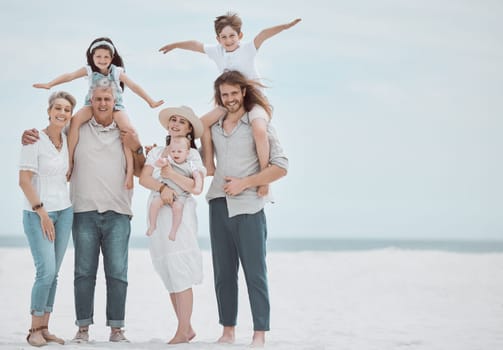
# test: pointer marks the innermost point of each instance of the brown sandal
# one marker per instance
(37, 343)
(51, 338)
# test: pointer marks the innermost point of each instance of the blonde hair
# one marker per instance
(64, 95)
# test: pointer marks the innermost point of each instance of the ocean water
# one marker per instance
(339, 244)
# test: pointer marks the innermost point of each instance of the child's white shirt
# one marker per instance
(257, 112)
(242, 59)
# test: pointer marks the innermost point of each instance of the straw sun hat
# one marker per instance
(184, 112)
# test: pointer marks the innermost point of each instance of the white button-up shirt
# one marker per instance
(49, 167)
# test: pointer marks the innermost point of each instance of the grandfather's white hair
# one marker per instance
(103, 84)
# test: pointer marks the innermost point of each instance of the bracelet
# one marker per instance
(37, 206)
(139, 151)
(162, 187)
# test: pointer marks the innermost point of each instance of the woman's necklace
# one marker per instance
(56, 144)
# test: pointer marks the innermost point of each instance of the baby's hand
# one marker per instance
(42, 86)
(161, 162)
(156, 104)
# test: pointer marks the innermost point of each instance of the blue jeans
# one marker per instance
(108, 232)
(241, 238)
(47, 256)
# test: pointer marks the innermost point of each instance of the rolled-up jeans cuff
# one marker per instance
(84, 323)
(41, 313)
(115, 323)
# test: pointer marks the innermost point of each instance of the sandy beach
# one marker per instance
(381, 299)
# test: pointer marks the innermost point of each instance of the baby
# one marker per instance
(178, 150)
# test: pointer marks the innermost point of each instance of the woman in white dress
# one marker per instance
(179, 262)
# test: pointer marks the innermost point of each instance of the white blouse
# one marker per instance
(49, 167)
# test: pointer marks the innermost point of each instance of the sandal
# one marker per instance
(37, 342)
(51, 338)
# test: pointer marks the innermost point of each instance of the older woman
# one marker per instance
(48, 214)
(178, 262)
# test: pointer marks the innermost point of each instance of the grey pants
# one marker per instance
(241, 238)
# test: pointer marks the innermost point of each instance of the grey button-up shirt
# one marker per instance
(236, 156)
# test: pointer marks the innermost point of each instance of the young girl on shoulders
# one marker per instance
(103, 61)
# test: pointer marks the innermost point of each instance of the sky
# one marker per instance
(390, 112)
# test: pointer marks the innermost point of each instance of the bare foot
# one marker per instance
(258, 340)
(192, 335)
(226, 339)
(228, 335)
(172, 236)
(178, 339)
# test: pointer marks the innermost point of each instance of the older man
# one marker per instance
(238, 227)
(102, 208)
(102, 213)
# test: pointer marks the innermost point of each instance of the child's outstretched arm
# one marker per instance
(270, 32)
(137, 89)
(191, 45)
(64, 78)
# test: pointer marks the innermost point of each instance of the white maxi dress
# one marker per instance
(179, 262)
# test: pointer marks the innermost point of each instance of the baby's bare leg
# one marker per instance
(155, 206)
(177, 210)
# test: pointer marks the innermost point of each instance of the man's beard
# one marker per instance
(234, 106)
